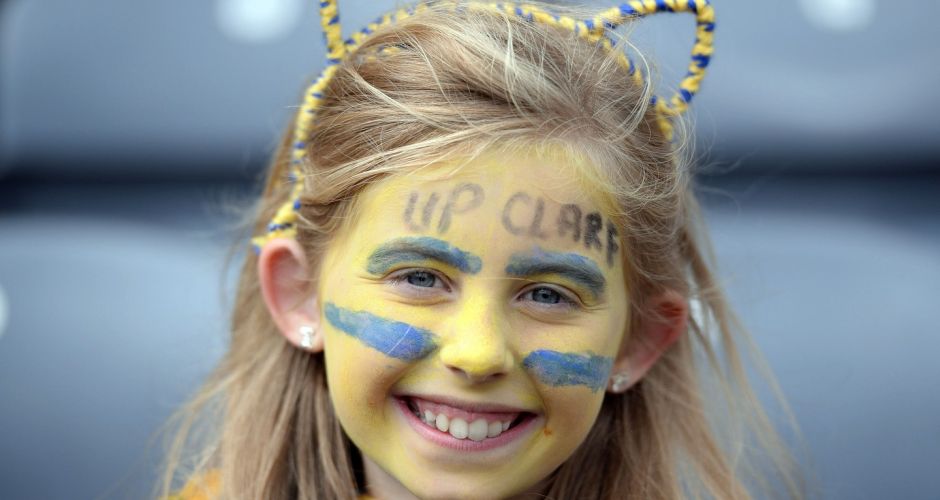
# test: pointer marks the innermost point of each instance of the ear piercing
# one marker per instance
(619, 382)
(306, 337)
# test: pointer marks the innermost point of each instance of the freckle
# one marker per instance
(547, 431)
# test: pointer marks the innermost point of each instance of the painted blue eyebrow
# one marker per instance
(418, 248)
(573, 266)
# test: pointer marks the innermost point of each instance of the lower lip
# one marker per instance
(447, 441)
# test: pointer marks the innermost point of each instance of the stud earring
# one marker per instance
(306, 336)
(619, 382)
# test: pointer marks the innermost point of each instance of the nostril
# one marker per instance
(484, 376)
(477, 360)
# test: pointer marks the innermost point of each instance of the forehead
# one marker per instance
(499, 199)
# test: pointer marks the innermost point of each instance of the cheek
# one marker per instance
(576, 356)
(366, 354)
(571, 368)
(559, 369)
(571, 386)
(359, 380)
(355, 373)
(395, 339)
(570, 414)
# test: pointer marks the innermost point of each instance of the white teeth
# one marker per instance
(442, 422)
(494, 429)
(458, 428)
(477, 430)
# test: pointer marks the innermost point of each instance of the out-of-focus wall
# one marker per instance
(128, 128)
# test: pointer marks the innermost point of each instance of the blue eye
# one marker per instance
(422, 279)
(550, 299)
(546, 296)
(420, 284)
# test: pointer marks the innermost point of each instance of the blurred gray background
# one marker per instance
(127, 129)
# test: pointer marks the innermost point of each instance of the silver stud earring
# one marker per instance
(619, 382)
(306, 337)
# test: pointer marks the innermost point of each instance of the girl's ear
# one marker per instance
(284, 280)
(653, 337)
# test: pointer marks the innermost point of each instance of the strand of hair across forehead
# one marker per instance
(596, 29)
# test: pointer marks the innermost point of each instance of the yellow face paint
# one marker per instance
(492, 295)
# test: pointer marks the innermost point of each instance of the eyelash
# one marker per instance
(566, 300)
(401, 278)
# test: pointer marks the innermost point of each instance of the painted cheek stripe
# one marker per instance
(392, 338)
(566, 368)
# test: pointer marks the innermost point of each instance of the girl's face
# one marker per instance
(470, 323)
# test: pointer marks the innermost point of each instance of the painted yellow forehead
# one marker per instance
(533, 196)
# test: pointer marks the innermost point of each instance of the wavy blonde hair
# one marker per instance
(263, 423)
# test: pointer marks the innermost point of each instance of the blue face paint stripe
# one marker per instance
(412, 249)
(566, 368)
(575, 267)
(392, 338)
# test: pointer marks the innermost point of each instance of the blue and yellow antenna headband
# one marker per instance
(283, 224)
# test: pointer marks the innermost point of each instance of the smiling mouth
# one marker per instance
(464, 424)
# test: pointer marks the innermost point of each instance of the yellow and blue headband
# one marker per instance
(283, 224)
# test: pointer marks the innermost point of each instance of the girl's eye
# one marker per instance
(545, 296)
(419, 281)
(422, 279)
(549, 297)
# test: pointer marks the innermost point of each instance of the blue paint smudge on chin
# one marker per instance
(392, 338)
(568, 368)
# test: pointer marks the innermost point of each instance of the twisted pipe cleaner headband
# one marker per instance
(283, 224)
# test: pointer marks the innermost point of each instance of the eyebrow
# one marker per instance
(419, 248)
(573, 266)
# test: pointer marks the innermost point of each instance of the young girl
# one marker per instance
(475, 257)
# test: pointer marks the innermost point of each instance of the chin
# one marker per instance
(454, 484)
(444, 489)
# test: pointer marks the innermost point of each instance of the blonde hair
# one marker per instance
(462, 83)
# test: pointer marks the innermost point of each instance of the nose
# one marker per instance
(476, 348)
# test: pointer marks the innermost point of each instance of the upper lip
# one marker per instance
(470, 406)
